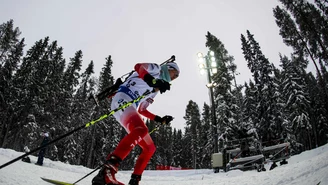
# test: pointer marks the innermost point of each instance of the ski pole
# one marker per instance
(88, 174)
(79, 128)
(156, 128)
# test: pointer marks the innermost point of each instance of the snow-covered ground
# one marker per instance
(307, 168)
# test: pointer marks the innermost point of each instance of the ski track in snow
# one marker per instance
(307, 168)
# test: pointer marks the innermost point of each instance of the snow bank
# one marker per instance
(307, 168)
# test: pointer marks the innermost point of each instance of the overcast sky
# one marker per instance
(150, 31)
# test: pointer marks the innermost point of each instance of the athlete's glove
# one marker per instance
(162, 85)
(164, 120)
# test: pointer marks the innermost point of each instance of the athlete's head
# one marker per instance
(173, 69)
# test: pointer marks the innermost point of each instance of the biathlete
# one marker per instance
(148, 77)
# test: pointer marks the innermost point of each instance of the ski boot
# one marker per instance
(283, 162)
(134, 179)
(274, 165)
(106, 175)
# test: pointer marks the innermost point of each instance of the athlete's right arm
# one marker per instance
(143, 109)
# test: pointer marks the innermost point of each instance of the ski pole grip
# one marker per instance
(172, 59)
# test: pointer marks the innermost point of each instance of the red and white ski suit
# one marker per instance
(130, 118)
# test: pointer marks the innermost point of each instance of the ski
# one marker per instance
(56, 182)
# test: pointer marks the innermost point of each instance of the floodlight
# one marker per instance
(214, 70)
(213, 59)
(213, 64)
(202, 71)
(209, 85)
(201, 66)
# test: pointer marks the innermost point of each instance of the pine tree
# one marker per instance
(106, 78)
(206, 138)
(312, 27)
(71, 75)
(187, 160)
(11, 51)
(69, 85)
(29, 90)
(317, 112)
(266, 88)
(226, 101)
(82, 109)
(250, 113)
(53, 94)
(9, 42)
(191, 140)
(177, 152)
(164, 146)
(297, 99)
(307, 34)
(280, 120)
(53, 79)
(106, 135)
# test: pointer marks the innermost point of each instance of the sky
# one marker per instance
(307, 168)
(151, 31)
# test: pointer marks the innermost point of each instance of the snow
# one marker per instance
(307, 168)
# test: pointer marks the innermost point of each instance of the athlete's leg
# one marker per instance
(136, 129)
(148, 149)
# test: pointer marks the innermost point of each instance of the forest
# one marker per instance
(40, 91)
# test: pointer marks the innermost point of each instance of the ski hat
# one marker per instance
(172, 65)
(165, 75)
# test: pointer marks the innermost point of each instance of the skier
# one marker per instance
(148, 77)
(43, 150)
